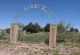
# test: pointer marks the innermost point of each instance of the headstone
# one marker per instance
(13, 33)
(53, 34)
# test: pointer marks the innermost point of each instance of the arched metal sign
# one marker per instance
(36, 6)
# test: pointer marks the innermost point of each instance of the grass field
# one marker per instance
(34, 37)
(62, 48)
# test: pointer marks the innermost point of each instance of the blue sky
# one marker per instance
(62, 10)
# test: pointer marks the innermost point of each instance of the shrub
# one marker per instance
(68, 37)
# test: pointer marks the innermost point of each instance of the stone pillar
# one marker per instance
(53, 34)
(13, 33)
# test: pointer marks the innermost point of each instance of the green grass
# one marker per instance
(43, 37)
(34, 37)
(3, 41)
(75, 53)
(76, 45)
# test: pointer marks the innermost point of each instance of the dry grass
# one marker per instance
(37, 49)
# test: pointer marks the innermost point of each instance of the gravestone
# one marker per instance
(13, 33)
(52, 35)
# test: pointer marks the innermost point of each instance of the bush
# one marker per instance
(68, 37)
(3, 36)
(47, 27)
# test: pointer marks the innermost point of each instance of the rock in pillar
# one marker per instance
(53, 34)
(13, 33)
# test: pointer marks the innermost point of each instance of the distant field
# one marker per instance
(34, 37)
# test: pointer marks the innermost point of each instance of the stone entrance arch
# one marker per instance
(53, 28)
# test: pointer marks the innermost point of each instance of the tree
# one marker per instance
(61, 27)
(8, 30)
(32, 28)
(76, 30)
(47, 27)
(37, 27)
(71, 29)
(24, 28)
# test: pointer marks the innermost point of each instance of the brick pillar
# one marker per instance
(52, 37)
(13, 33)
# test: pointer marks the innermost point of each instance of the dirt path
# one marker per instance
(25, 49)
(36, 49)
